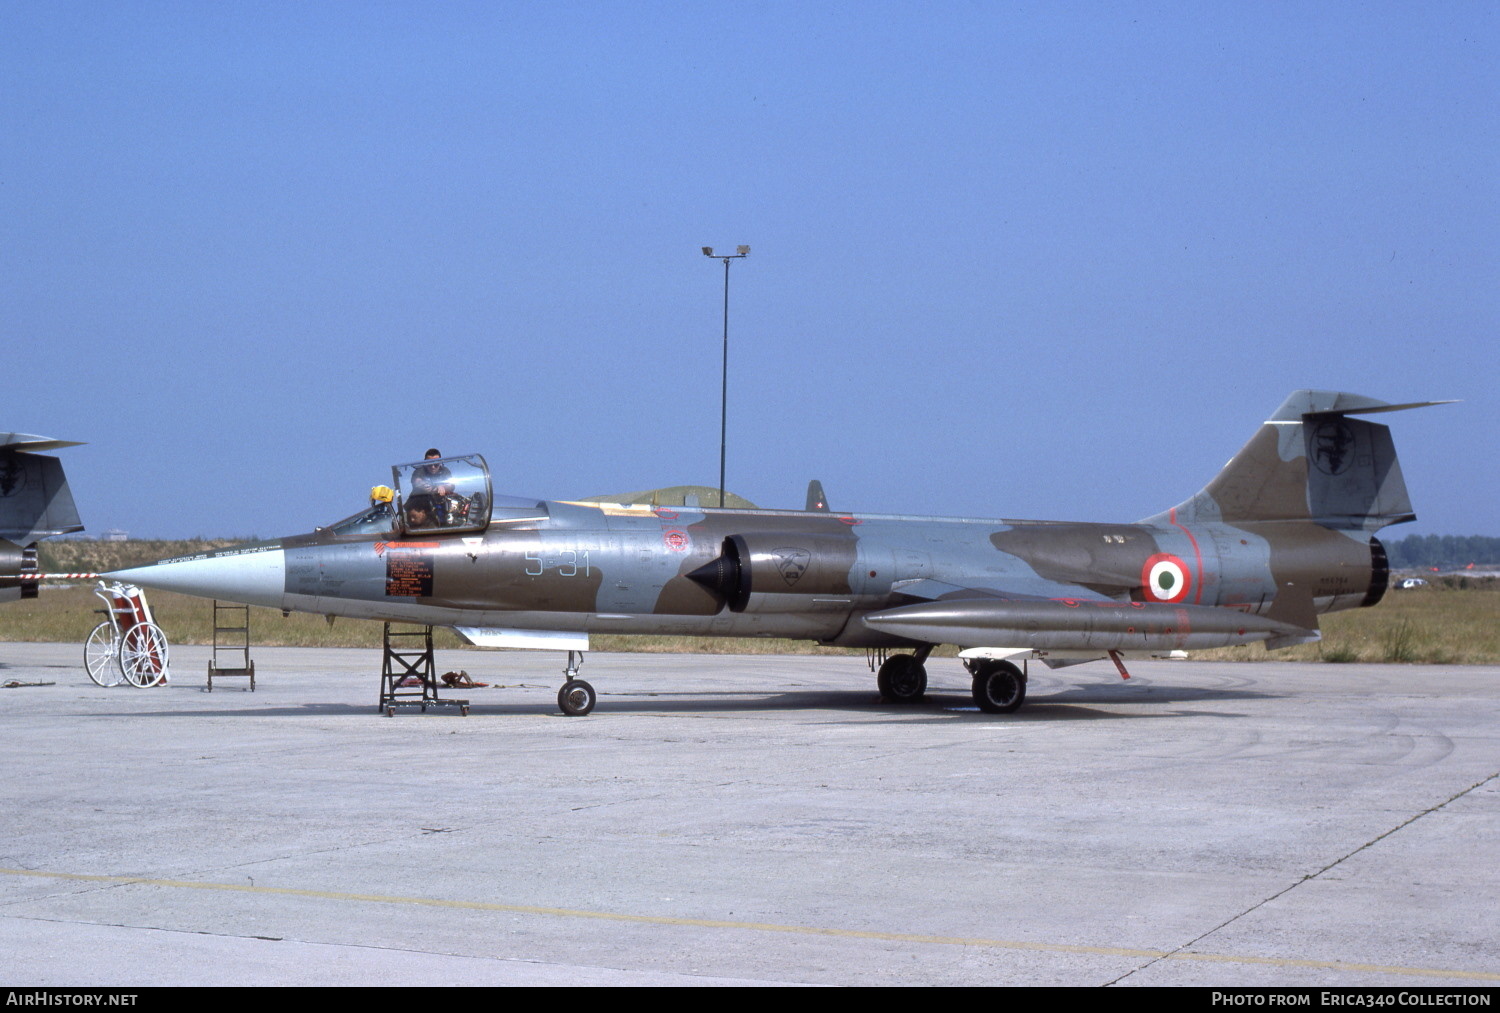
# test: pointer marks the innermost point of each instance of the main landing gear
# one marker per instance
(902, 678)
(576, 698)
(999, 686)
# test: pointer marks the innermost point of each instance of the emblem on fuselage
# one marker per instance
(1165, 578)
(792, 564)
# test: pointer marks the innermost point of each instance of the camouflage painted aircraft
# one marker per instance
(35, 503)
(1283, 534)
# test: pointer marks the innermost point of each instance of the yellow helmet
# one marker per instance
(382, 494)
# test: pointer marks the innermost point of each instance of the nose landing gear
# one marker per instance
(576, 698)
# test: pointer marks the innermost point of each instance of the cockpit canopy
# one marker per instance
(447, 494)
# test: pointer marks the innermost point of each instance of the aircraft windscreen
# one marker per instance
(377, 518)
(448, 494)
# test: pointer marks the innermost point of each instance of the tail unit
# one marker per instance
(35, 502)
(1311, 461)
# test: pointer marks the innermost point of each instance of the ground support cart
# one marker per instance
(128, 645)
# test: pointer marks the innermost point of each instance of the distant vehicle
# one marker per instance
(35, 503)
(1283, 534)
(1406, 584)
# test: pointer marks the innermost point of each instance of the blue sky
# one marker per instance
(1020, 260)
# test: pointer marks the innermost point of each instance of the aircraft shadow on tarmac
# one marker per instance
(1066, 703)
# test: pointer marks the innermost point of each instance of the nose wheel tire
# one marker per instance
(999, 687)
(902, 679)
(576, 698)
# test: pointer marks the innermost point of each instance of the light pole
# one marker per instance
(740, 253)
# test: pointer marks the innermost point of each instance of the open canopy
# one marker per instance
(448, 494)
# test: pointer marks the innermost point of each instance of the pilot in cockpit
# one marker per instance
(429, 476)
(420, 513)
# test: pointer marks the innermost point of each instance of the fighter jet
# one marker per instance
(1282, 535)
(35, 503)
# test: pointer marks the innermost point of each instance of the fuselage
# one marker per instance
(693, 571)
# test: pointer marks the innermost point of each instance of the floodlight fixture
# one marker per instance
(741, 252)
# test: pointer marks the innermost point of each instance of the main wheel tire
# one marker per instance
(100, 657)
(576, 698)
(999, 688)
(902, 679)
(143, 655)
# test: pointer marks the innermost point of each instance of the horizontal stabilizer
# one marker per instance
(33, 444)
(1333, 402)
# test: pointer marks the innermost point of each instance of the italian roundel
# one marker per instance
(1165, 578)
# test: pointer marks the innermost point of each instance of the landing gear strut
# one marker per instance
(903, 677)
(999, 686)
(576, 698)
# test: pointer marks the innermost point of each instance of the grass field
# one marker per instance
(1452, 621)
(1438, 625)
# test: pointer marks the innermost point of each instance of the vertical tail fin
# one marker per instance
(34, 502)
(34, 497)
(1311, 461)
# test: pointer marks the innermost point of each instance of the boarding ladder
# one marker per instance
(232, 644)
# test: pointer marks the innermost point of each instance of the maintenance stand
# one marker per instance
(408, 655)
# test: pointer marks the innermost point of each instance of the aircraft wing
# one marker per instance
(531, 640)
(944, 590)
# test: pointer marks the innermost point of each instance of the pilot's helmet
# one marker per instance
(382, 494)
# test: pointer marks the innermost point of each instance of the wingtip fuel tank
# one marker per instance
(1077, 624)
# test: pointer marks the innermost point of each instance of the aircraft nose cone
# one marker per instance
(249, 576)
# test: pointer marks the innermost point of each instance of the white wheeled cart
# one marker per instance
(128, 645)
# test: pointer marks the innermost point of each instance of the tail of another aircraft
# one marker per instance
(1311, 461)
(815, 498)
(34, 502)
